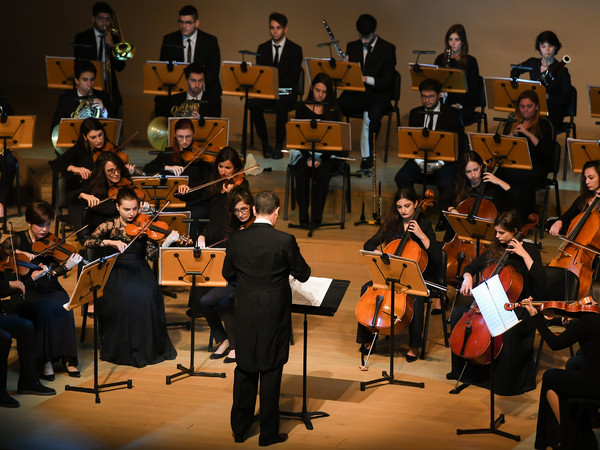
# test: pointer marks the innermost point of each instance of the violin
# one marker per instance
(195, 151)
(562, 309)
(19, 264)
(110, 147)
(155, 230)
(114, 189)
(53, 245)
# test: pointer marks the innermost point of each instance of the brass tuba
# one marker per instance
(123, 51)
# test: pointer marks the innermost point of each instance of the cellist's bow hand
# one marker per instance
(467, 284)
(528, 306)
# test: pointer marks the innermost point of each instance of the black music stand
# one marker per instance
(327, 307)
(89, 288)
(316, 136)
(184, 267)
(400, 275)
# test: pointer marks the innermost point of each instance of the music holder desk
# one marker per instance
(164, 77)
(582, 151)
(179, 267)
(60, 73)
(513, 152)
(68, 131)
(346, 76)
(453, 80)
(161, 189)
(475, 229)
(422, 143)
(248, 81)
(215, 132)
(317, 136)
(594, 100)
(400, 275)
(89, 288)
(328, 307)
(502, 93)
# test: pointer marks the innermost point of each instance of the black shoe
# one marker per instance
(282, 437)
(366, 164)
(6, 401)
(219, 355)
(229, 360)
(35, 388)
(451, 376)
(72, 373)
(442, 224)
(436, 311)
(267, 150)
(47, 377)
(191, 314)
(239, 438)
(277, 154)
(411, 358)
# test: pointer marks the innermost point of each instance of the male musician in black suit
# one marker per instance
(433, 115)
(260, 260)
(96, 44)
(286, 56)
(209, 105)
(378, 61)
(85, 78)
(190, 44)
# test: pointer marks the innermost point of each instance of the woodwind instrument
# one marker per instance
(335, 42)
(549, 75)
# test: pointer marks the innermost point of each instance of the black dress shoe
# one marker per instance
(35, 388)
(196, 314)
(281, 437)
(267, 150)
(6, 401)
(277, 153)
(366, 163)
(229, 360)
(239, 438)
(47, 377)
(219, 355)
(411, 358)
(436, 311)
(451, 376)
(72, 373)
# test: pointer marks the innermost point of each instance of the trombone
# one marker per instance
(122, 50)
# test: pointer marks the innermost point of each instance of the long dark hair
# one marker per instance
(508, 221)
(393, 225)
(182, 124)
(463, 187)
(584, 193)
(331, 108)
(89, 124)
(534, 128)
(237, 194)
(225, 154)
(462, 35)
(98, 182)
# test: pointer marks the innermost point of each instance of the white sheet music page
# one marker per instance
(311, 292)
(490, 298)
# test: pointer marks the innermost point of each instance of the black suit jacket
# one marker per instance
(380, 65)
(290, 62)
(69, 101)
(260, 259)
(447, 120)
(163, 105)
(206, 53)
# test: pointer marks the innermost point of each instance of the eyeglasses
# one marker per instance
(186, 22)
(113, 171)
(242, 210)
(429, 97)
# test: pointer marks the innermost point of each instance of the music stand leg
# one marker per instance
(305, 416)
(245, 125)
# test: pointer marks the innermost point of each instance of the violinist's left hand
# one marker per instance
(529, 307)
(73, 260)
(130, 168)
(228, 186)
(515, 246)
(171, 238)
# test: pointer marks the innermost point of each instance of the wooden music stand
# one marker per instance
(60, 72)
(205, 132)
(471, 229)
(453, 80)
(245, 80)
(400, 275)
(187, 266)
(346, 76)
(502, 93)
(90, 288)
(316, 136)
(594, 100)
(422, 143)
(161, 189)
(176, 221)
(582, 151)
(513, 152)
(68, 131)
(164, 78)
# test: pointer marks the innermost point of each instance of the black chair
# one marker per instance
(566, 127)
(391, 108)
(480, 117)
(582, 405)
(60, 201)
(438, 278)
(550, 182)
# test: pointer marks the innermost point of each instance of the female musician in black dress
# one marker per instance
(557, 90)
(556, 425)
(321, 90)
(456, 56)
(131, 313)
(394, 226)
(514, 368)
(44, 296)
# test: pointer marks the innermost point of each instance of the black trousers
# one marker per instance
(282, 107)
(351, 103)
(15, 327)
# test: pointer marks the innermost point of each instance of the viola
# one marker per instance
(114, 189)
(54, 246)
(109, 147)
(562, 309)
(196, 151)
(155, 230)
(20, 263)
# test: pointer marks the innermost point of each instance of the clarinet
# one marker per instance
(335, 42)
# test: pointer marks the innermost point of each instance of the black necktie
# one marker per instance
(276, 58)
(101, 48)
(369, 49)
(189, 51)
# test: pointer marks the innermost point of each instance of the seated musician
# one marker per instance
(558, 424)
(433, 115)
(588, 192)
(558, 90)
(96, 101)
(456, 56)
(132, 332)
(208, 102)
(286, 57)
(398, 222)
(514, 368)
(8, 177)
(321, 90)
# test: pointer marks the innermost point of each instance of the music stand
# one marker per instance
(181, 267)
(209, 129)
(426, 144)
(90, 288)
(161, 189)
(471, 229)
(453, 80)
(346, 76)
(316, 136)
(513, 152)
(68, 131)
(502, 93)
(164, 77)
(582, 151)
(594, 100)
(60, 73)
(245, 80)
(400, 275)
(15, 132)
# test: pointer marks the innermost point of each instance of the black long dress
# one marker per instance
(131, 313)
(514, 368)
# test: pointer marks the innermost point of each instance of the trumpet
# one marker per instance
(123, 51)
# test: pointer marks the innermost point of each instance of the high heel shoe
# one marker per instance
(47, 377)
(216, 355)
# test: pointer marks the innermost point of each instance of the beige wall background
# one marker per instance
(499, 33)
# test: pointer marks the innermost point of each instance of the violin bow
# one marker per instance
(152, 219)
(201, 151)
(126, 141)
(229, 177)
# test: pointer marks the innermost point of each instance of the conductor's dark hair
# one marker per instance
(83, 65)
(366, 24)
(189, 10)
(101, 7)
(279, 18)
(266, 202)
(38, 213)
(193, 68)
(429, 84)
(126, 193)
(549, 37)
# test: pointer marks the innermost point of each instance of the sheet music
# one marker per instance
(310, 293)
(490, 298)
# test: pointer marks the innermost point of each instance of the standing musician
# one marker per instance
(456, 56)
(398, 222)
(377, 59)
(286, 56)
(558, 424)
(55, 337)
(97, 43)
(132, 332)
(558, 90)
(514, 368)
